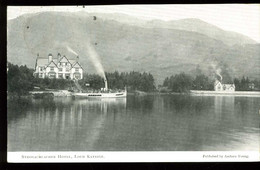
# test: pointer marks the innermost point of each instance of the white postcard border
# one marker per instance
(135, 156)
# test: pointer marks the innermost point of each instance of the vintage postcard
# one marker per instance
(133, 83)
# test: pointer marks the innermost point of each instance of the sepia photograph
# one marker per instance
(133, 83)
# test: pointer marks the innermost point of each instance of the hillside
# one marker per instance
(190, 24)
(125, 47)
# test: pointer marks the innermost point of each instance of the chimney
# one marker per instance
(106, 86)
(50, 57)
(59, 56)
(36, 63)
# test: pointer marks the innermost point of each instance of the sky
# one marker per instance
(240, 18)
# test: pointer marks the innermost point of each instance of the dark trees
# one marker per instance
(202, 82)
(179, 83)
(19, 79)
(133, 81)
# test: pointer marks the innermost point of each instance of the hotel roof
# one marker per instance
(45, 61)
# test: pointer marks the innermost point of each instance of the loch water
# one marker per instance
(135, 123)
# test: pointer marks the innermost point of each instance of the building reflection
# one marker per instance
(224, 105)
(218, 101)
(229, 102)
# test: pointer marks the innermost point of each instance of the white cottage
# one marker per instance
(218, 86)
(60, 67)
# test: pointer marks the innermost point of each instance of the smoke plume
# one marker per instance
(94, 57)
(72, 51)
(217, 70)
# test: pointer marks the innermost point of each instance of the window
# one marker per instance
(40, 75)
(60, 69)
(77, 76)
(52, 75)
(60, 75)
(67, 69)
(52, 68)
(77, 69)
(67, 76)
(41, 68)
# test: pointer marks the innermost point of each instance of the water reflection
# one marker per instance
(180, 103)
(141, 103)
(67, 117)
(231, 127)
(166, 122)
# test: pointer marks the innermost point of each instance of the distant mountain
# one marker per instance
(189, 24)
(199, 26)
(162, 48)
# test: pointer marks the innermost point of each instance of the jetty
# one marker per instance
(55, 93)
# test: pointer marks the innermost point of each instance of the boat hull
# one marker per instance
(101, 95)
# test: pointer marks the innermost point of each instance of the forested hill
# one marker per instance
(159, 47)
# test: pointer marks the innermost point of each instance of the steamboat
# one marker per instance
(103, 93)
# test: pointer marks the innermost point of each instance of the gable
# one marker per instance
(51, 64)
(228, 85)
(64, 60)
(77, 65)
(218, 84)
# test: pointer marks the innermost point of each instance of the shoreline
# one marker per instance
(66, 93)
(222, 93)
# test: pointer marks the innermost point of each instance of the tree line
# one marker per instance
(132, 80)
(20, 81)
(245, 84)
(184, 82)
